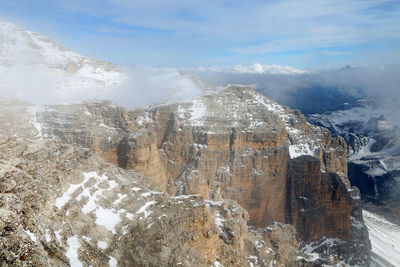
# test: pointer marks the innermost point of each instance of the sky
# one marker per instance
(306, 34)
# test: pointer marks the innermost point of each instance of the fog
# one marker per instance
(138, 86)
(147, 85)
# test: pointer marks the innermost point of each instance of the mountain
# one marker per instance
(371, 130)
(153, 185)
(39, 70)
(35, 68)
(23, 49)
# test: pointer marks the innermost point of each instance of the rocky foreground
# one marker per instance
(229, 179)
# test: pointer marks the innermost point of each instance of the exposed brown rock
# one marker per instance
(319, 203)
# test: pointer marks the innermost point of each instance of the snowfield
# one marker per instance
(385, 240)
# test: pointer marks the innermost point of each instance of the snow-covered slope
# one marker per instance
(385, 240)
(34, 67)
(19, 47)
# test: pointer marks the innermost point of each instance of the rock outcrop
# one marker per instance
(232, 147)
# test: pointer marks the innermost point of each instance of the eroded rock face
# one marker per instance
(235, 145)
(319, 203)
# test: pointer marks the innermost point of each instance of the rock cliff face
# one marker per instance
(64, 206)
(232, 146)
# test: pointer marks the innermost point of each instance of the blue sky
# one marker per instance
(304, 34)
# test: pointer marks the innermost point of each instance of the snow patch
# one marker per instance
(197, 112)
(300, 150)
(150, 193)
(102, 244)
(107, 218)
(112, 262)
(31, 235)
(47, 235)
(144, 210)
(72, 252)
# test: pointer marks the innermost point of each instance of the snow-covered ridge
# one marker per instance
(40, 62)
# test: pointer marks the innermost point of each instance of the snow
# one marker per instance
(384, 236)
(143, 120)
(49, 70)
(310, 249)
(218, 264)
(86, 238)
(47, 236)
(150, 193)
(219, 220)
(300, 150)
(102, 244)
(58, 236)
(31, 235)
(72, 252)
(269, 104)
(363, 152)
(213, 202)
(144, 210)
(112, 262)
(378, 118)
(35, 123)
(181, 112)
(61, 201)
(108, 218)
(120, 198)
(181, 197)
(197, 111)
(86, 191)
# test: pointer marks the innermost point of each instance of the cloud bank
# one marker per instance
(298, 90)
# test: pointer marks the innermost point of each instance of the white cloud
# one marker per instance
(255, 68)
